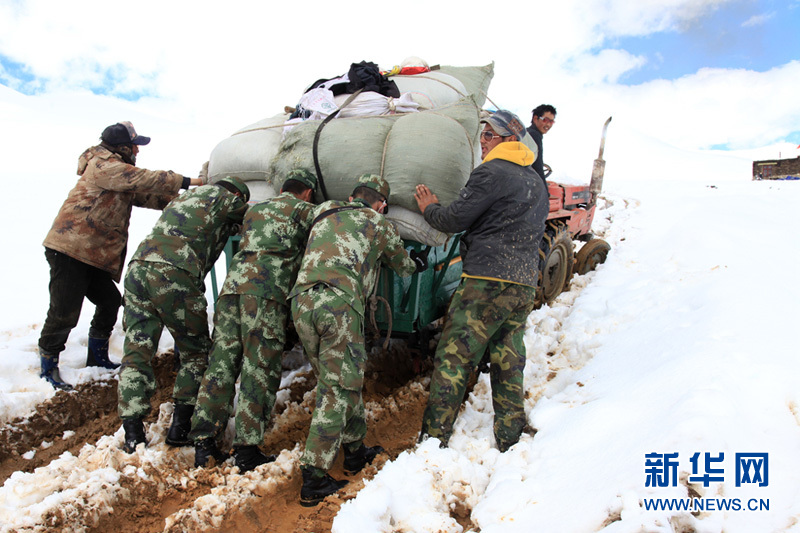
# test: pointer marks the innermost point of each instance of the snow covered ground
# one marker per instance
(681, 343)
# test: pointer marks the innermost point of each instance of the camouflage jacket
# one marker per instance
(344, 250)
(193, 230)
(92, 225)
(274, 236)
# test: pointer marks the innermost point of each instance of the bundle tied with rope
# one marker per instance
(437, 147)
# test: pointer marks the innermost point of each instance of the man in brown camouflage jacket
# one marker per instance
(86, 244)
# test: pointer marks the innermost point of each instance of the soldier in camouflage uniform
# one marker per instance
(502, 207)
(85, 248)
(164, 287)
(250, 324)
(346, 245)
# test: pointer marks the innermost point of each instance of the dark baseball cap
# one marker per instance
(123, 133)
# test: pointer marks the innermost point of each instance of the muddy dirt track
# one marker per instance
(173, 496)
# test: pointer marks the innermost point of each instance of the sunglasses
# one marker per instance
(547, 120)
(489, 135)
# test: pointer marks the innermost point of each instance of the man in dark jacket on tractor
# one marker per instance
(542, 119)
(502, 210)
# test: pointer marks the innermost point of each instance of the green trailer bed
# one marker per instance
(411, 303)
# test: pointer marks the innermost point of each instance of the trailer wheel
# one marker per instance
(592, 254)
(556, 256)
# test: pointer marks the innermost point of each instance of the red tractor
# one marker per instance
(572, 209)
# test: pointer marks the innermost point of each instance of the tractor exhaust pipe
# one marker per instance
(599, 168)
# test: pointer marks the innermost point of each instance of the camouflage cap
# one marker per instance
(122, 133)
(303, 176)
(505, 123)
(239, 184)
(375, 182)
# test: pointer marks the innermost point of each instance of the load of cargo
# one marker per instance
(411, 125)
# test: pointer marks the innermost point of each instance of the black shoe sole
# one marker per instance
(353, 472)
(247, 468)
(312, 503)
(179, 443)
(306, 501)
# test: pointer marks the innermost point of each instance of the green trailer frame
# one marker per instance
(418, 300)
(412, 303)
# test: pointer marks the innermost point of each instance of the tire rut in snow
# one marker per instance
(69, 420)
(176, 497)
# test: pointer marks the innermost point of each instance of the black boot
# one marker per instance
(355, 461)
(249, 457)
(178, 434)
(98, 354)
(134, 434)
(50, 371)
(205, 450)
(316, 488)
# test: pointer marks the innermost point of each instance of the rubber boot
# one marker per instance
(317, 487)
(178, 434)
(97, 354)
(249, 457)
(50, 373)
(355, 461)
(206, 450)
(134, 434)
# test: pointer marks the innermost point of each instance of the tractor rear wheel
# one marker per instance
(592, 254)
(556, 256)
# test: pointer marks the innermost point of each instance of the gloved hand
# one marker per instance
(203, 175)
(420, 259)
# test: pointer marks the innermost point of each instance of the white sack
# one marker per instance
(246, 154)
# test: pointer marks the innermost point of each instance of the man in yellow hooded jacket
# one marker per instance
(502, 211)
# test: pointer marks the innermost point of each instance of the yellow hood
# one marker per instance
(513, 151)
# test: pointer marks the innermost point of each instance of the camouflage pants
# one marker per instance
(332, 334)
(158, 295)
(483, 315)
(249, 333)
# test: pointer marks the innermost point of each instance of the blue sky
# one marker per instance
(749, 35)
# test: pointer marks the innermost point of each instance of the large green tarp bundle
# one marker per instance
(436, 147)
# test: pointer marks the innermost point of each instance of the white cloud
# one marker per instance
(216, 67)
(758, 20)
(604, 67)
